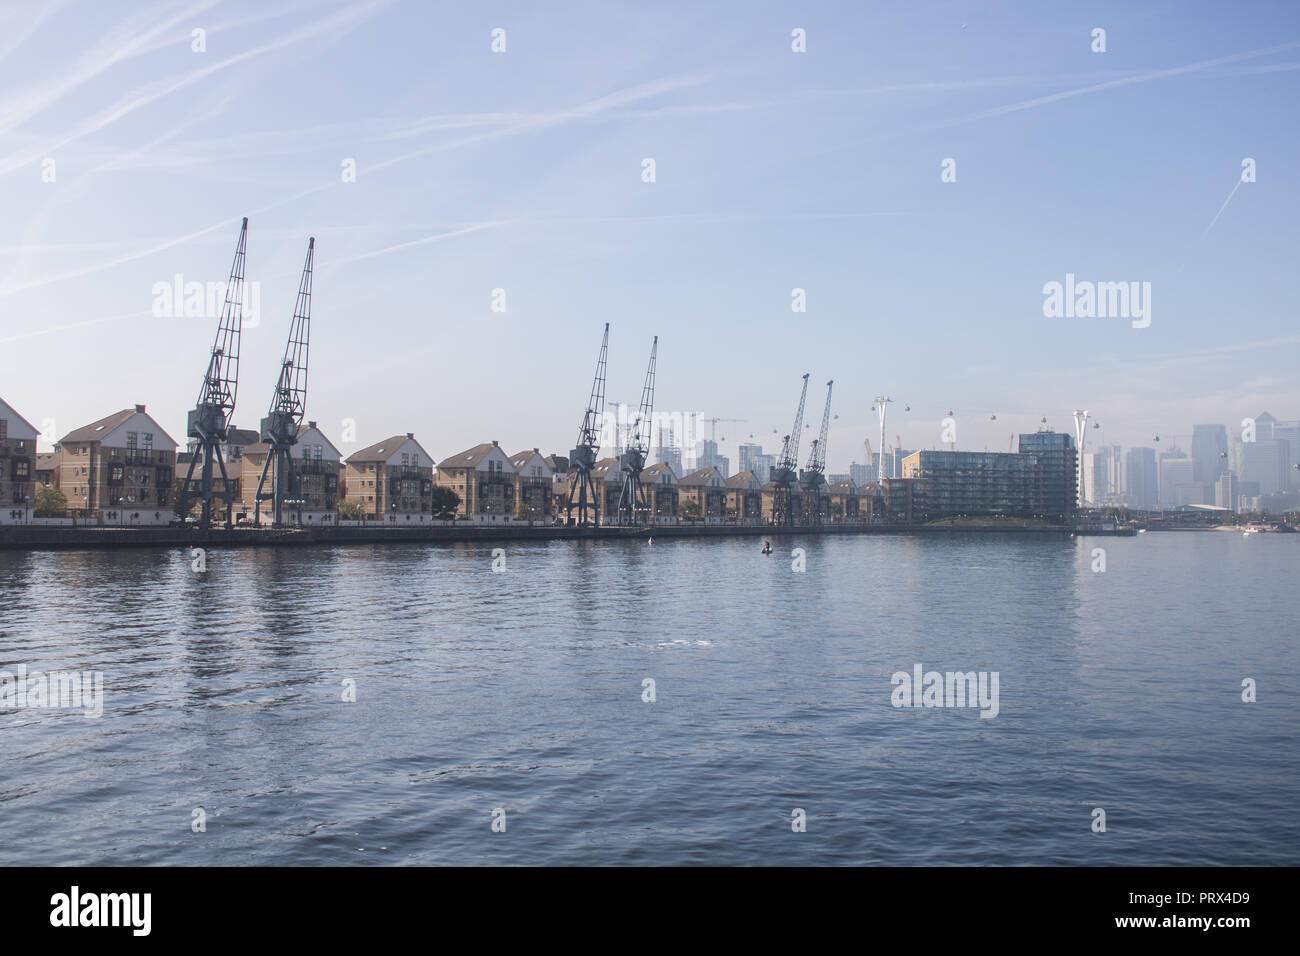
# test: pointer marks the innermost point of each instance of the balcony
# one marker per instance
(133, 456)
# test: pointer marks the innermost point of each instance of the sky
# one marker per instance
(131, 146)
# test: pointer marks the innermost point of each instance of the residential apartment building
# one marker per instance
(607, 486)
(118, 470)
(318, 466)
(845, 500)
(484, 477)
(47, 463)
(17, 466)
(660, 483)
(391, 479)
(744, 499)
(902, 500)
(1058, 477)
(708, 490)
(534, 492)
(978, 483)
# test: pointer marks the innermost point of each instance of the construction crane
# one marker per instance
(582, 459)
(813, 478)
(633, 461)
(785, 475)
(288, 405)
(209, 423)
(713, 426)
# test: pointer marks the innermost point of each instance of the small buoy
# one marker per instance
(652, 540)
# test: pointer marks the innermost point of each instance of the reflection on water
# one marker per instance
(523, 690)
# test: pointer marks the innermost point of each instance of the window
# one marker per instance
(406, 459)
(131, 439)
(148, 440)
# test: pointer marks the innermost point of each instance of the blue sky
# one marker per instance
(774, 170)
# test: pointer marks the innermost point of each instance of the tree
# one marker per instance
(350, 510)
(50, 502)
(445, 502)
(522, 510)
(688, 509)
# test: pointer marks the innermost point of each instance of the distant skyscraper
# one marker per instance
(1225, 492)
(1209, 453)
(1267, 464)
(706, 456)
(1178, 485)
(1102, 476)
(1142, 487)
(669, 452)
(748, 456)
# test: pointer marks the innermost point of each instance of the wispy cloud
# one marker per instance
(129, 39)
(340, 20)
(588, 110)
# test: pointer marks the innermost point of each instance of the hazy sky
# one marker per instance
(774, 170)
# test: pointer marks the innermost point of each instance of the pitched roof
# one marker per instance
(701, 476)
(13, 411)
(95, 431)
(520, 459)
(380, 451)
(242, 436)
(308, 426)
(558, 462)
(603, 467)
(741, 479)
(845, 487)
(470, 457)
(654, 471)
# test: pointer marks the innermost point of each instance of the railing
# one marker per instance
(134, 456)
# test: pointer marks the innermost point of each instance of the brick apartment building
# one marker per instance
(484, 477)
(745, 497)
(17, 466)
(392, 480)
(318, 465)
(534, 477)
(118, 470)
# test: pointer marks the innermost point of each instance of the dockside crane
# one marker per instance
(288, 406)
(209, 422)
(632, 462)
(813, 478)
(785, 475)
(582, 459)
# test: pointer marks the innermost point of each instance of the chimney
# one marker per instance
(494, 443)
(139, 408)
(311, 424)
(536, 452)
(410, 434)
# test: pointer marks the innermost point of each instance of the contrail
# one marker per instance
(1221, 208)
